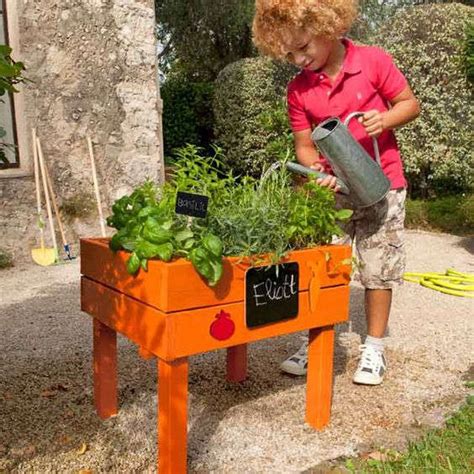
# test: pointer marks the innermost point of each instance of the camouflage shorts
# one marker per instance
(378, 236)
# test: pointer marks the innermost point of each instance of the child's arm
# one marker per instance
(405, 108)
(308, 156)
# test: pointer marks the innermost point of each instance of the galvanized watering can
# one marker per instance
(358, 175)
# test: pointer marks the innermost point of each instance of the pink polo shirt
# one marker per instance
(368, 80)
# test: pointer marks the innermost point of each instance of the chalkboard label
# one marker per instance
(194, 205)
(271, 294)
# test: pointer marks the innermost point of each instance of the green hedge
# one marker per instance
(428, 44)
(187, 113)
(245, 91)
(450, 214)
(470, 51)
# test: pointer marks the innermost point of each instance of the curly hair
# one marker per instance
(325, 18)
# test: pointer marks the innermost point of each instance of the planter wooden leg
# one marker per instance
(237, 363)
(172, 415)
(105, 370)
(319, 381)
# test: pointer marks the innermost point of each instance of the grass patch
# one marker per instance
(448, 449)
(6, 259)
(451, 214)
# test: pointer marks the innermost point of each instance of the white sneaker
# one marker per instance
(372, 366)
(297, 364)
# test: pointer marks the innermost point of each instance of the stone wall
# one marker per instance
(92, 67)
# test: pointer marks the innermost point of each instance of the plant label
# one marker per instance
(271, 294)
(194, 205)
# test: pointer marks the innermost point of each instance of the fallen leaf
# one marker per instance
(68, 414)
(378, 456)
(60, 387)
(82, 449)
(85, 471)
(64, 439)
(48, 393)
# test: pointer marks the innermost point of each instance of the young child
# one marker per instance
(337, 78)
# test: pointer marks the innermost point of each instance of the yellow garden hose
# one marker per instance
(451, 282)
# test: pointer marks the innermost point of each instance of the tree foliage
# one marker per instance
(187, 113)
(246, 92)
(205, 35)
(374, 13)
(428, 44)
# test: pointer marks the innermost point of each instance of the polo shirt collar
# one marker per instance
(351, 63)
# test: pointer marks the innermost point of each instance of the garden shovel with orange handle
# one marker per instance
(42, 256)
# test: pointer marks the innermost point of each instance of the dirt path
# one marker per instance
(46, 408)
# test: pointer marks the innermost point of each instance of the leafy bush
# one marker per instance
(428, 42)
(451, 214)
(470, 51)
(280, 146)
(187, 113)
(244, 90)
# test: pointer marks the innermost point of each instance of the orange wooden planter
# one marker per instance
(171, 313)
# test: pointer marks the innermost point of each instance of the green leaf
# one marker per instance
(145, 249)
(183, 235)
(200, 258)
(146, 211)
(217, 269)
(133, 264)
(144, 264)
(165, 251)
(154, 232)
(344, 214)
(213, 244)
(189, 244)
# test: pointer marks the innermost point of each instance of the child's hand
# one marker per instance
(329, 181)
(372, 121)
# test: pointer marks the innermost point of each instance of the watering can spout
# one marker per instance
(358, 175)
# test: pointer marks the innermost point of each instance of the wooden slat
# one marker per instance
(184, 333)
(176, 286)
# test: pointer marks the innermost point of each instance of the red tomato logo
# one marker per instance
(223, 327)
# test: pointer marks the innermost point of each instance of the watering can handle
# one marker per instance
(374, 140)
(300, 169)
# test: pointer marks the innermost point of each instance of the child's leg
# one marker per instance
(297, 363)
(377, 311)
(379, 244)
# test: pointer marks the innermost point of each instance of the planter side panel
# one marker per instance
(177, 286)
(142, 324)
(192, 328)
(173, 335)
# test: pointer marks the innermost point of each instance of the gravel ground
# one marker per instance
(48, 423)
